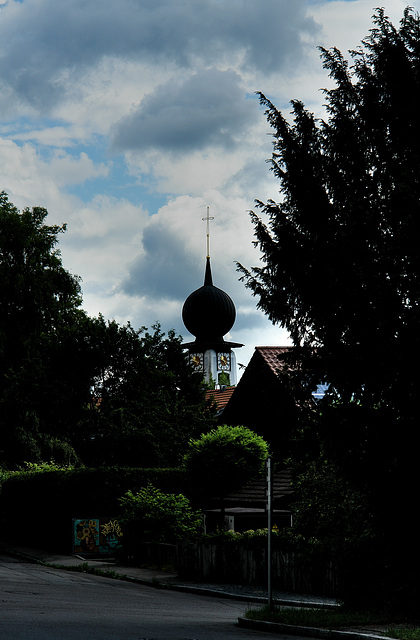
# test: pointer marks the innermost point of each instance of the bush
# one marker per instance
(149, 515)
(224, 459)
(284, 539)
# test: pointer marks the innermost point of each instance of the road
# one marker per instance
(41, 603)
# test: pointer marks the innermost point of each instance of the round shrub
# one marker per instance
(224, 459)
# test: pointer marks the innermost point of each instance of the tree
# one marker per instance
(39, 302)
(341, 266)
(147, 402)
(224, 459)
(75, 388)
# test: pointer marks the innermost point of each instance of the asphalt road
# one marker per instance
(41, 603)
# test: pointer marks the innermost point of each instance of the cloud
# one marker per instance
(166, 264)
(206, 109)
(103, 237)
(170, 262)
(164, 270)
(49, 135)
(69, 170)
(346, 23)
(43, 176)
(126, 118)
(46, 44)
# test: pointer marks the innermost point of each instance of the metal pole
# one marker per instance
(269, 529)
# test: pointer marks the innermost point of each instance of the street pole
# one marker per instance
(269, 530)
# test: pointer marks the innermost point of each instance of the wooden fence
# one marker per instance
(231, 563)
(248, 565)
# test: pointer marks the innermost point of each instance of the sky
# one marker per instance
(126, 119)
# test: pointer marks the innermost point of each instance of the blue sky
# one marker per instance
(127, 119)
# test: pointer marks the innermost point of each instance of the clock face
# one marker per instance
(223, 361)
(197, 361)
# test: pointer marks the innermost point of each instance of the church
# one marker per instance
(209, 314)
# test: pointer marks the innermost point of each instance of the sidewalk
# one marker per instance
(162, 579)
(159, 579)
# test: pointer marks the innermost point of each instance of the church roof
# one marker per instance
(208, 313)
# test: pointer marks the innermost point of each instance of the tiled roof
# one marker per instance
(272, 356)
(254, 494)
(220, 396)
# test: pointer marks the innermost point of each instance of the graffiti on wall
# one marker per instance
(96, 536)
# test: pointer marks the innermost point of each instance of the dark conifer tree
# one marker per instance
(340, 250)
(341, 263)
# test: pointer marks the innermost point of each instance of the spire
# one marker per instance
(208, 280)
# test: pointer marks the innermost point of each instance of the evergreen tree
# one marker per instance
(341, 268)
(341, 262)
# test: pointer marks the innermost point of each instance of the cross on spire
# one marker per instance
(207, 219)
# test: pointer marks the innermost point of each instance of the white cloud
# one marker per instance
(345, 24)
(171, 84)
(33, 179)
(25, 176)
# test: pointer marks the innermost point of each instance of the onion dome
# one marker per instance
(208, 313)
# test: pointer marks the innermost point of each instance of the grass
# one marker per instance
(336, 619)
(86, 568)
(405, 633)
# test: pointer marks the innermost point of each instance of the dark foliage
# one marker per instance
(341, 271)
(39, 307)
(147, 400)
(223, 460)
(37, 507)
(341, 263)
(80, 389)
(153, 516)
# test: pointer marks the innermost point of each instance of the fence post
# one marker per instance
(269, 478)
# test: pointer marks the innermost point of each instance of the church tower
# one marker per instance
(209, 314)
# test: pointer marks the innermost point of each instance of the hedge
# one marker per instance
(37, 508)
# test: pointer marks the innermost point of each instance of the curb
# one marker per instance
(310, 632)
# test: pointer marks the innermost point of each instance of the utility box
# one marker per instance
(96, 536)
